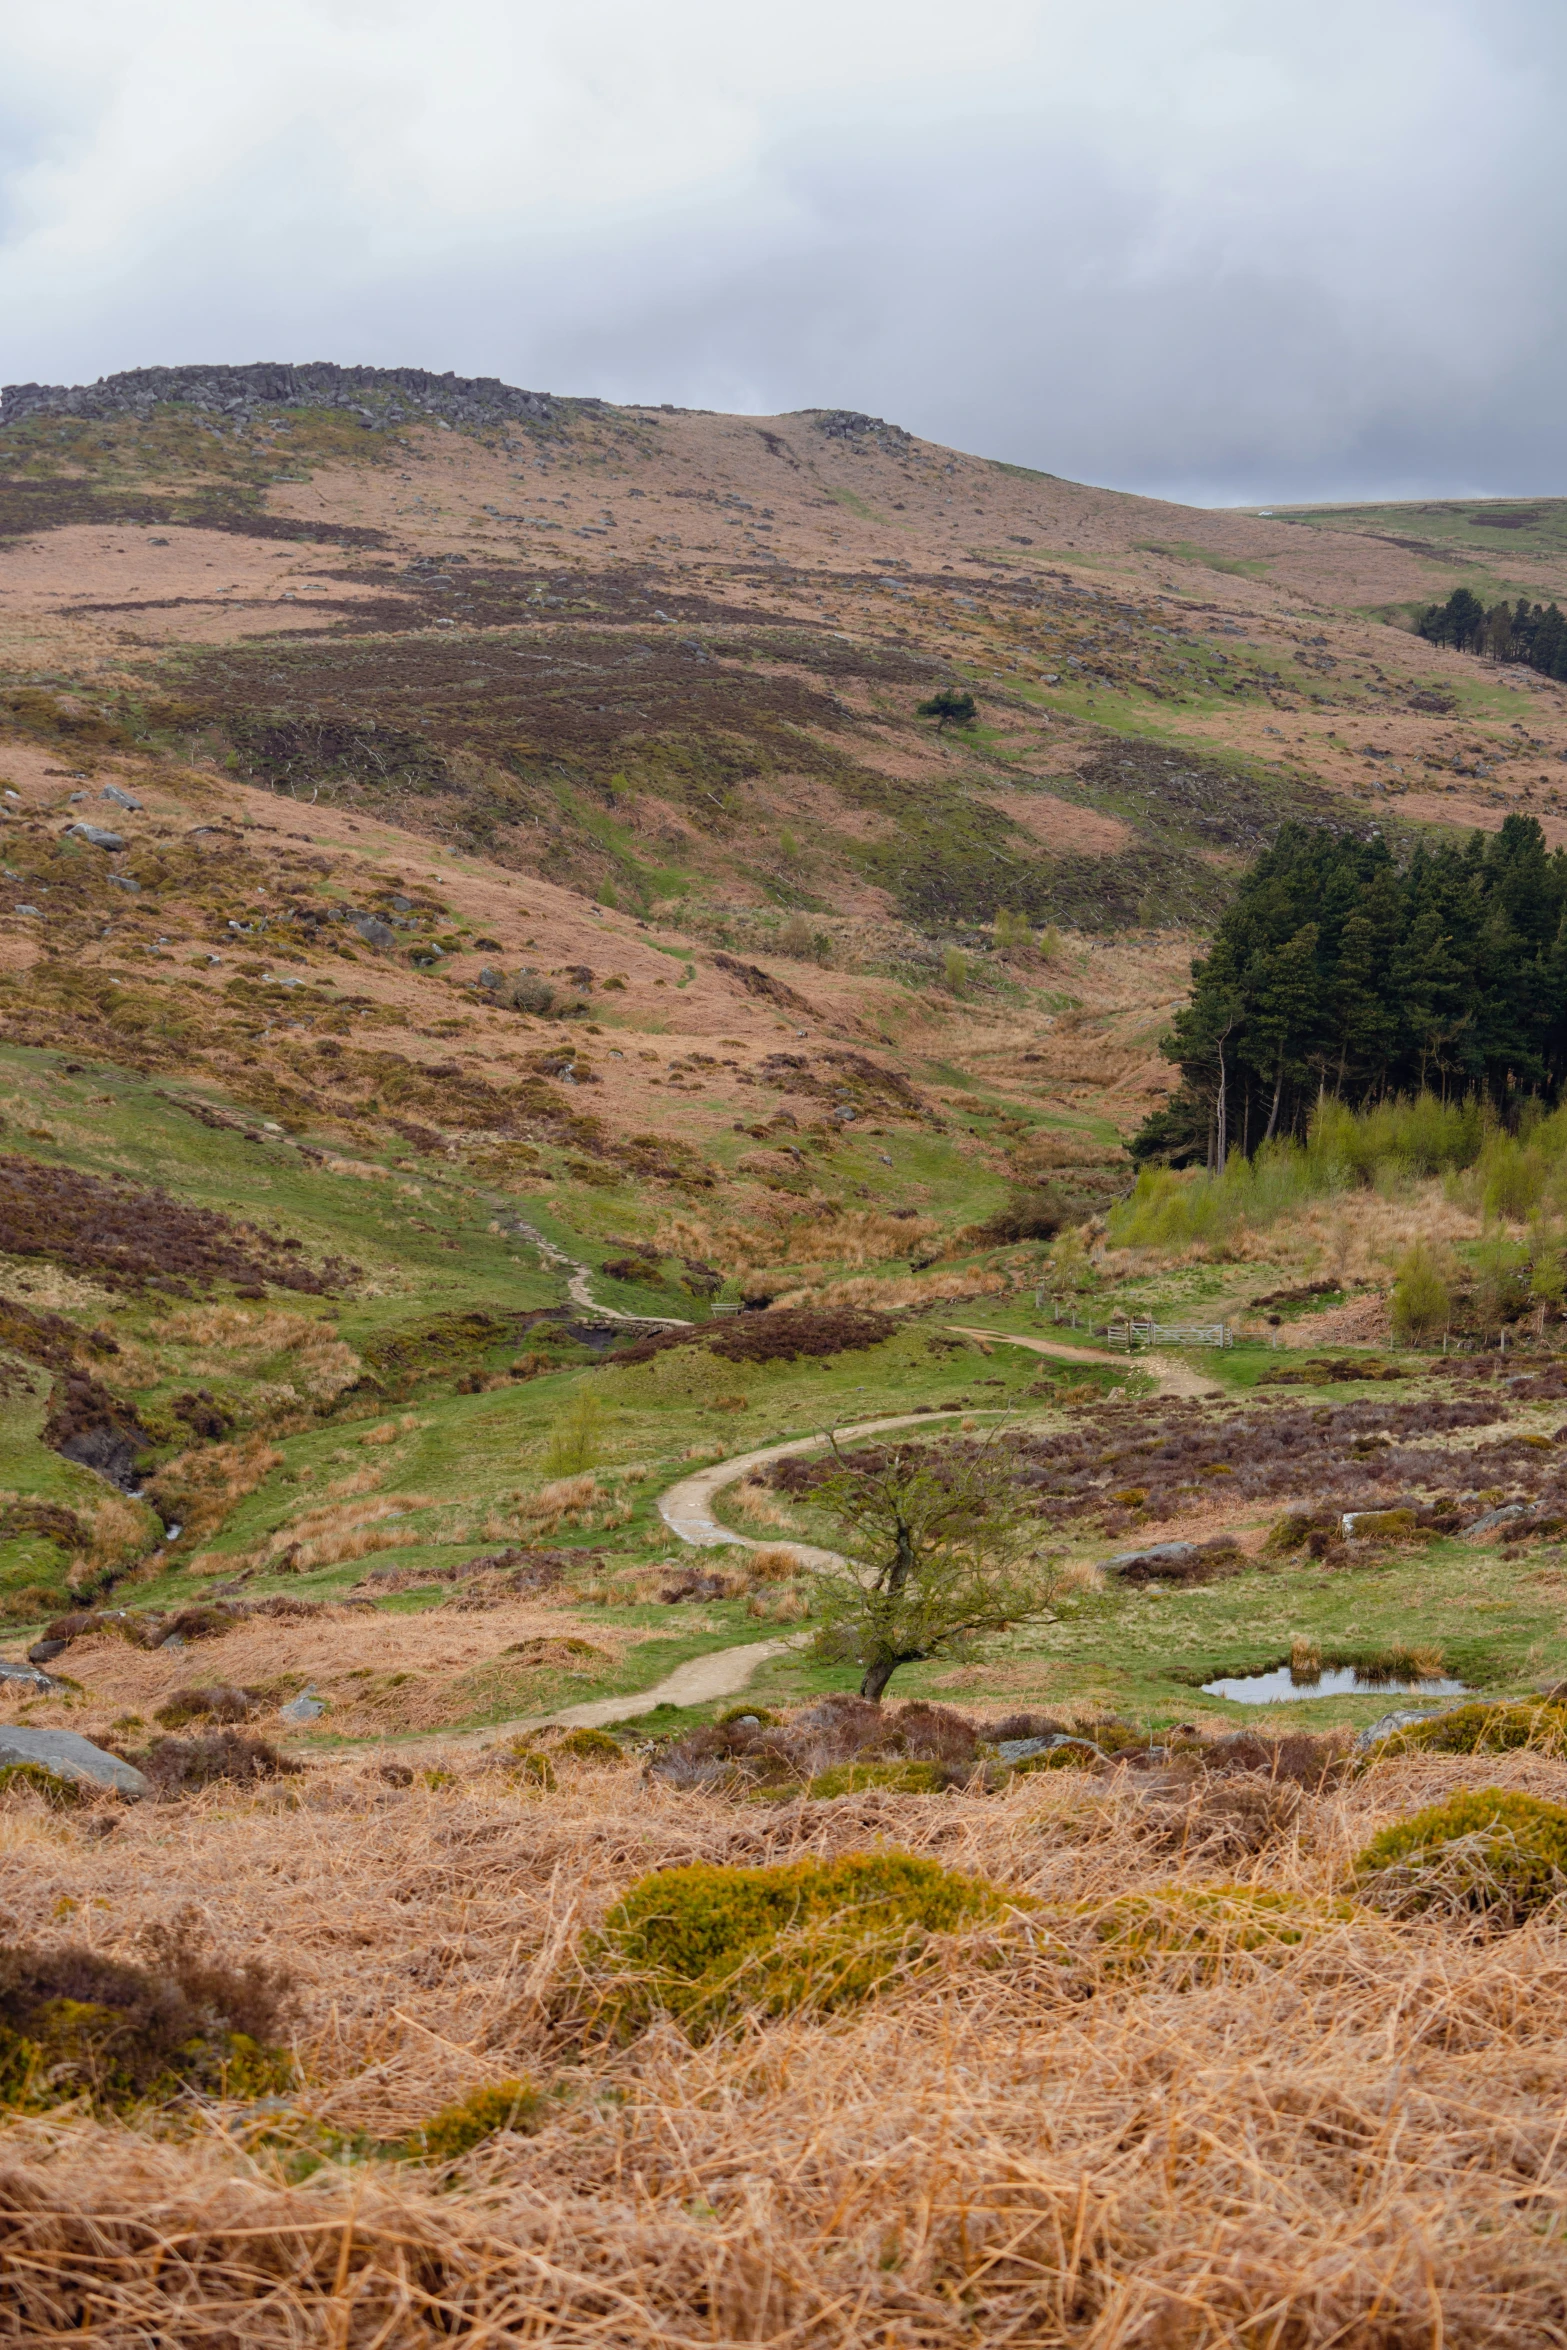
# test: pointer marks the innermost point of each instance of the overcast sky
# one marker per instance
(1225, 250)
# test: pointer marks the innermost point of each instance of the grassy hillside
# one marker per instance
(545, 1035)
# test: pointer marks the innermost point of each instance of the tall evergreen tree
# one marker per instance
(1333, 971)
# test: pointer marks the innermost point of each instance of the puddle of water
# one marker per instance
(1334, 1681)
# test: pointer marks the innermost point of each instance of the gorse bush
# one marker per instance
(1190, 1932)
(591, 1746)
(459, 2127)
(1491, 1852)
(1483, 1729)
(707, 1944)
(1422, 1303)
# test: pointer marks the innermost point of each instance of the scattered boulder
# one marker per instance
(121, 799)
(1180, 1562)
(97, 837)
(1497, 1517)
(31, 1676)
(68, 1756)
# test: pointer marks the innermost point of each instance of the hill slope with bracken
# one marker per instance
(514, 1028)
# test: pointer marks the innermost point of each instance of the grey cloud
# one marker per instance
(1285, 307)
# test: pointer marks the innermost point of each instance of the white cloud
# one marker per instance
(1221, 247)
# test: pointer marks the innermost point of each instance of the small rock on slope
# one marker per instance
(69, 1756)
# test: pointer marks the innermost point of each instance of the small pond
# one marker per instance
(1280, 1686)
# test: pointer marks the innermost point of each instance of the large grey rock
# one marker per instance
(306, 1707)
(97, 836)
(121, 799)
(1509, 1509)
(1403, 1717)
(374, 931)
(1016, 1750)
(1164, 1554)
(69, 1757)
(30, 1673)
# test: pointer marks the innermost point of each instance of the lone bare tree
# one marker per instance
(936, 1553)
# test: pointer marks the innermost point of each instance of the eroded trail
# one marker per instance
(687, 1510)
(1171, 1378)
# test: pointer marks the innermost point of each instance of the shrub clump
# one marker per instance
(750, 1749)
(127, 1238)
(896, 1778)
(458, 2128)
(707, 1945)
(182, 1766)
(525, 1765)
(1481, 1729)
(778, 1335)
(1488, 1851)
(74, 2023)
(591, 1746)
(219, 1703)
(1186, 1934)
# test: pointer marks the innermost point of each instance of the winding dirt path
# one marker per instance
(1171, 1378)
(578, 1276)
(723, 1672)
(687, 1510)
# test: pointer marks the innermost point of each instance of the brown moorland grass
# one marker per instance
(378, 1672)
(1353, 2137)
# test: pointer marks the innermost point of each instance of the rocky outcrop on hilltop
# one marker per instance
(379, 395)
(848, 424)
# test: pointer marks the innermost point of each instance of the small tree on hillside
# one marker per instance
(1422, 1304)
(949, 707)
(935, 1555)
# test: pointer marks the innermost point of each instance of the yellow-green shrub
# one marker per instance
(1488, 1850)
(591, 1746)
(1197, 1928)
(898, 1778)
(526, 1766)
(705, 1944)
(458, 2128)
(1481, 1729)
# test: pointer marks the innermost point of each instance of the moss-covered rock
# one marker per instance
(1481, 1729)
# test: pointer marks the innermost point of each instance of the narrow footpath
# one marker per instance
(687, 1510)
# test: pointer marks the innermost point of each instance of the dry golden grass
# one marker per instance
(229, 1336)
(902, 1289)
(773, 1233)
(201, 1487)
(1353, 2141)
(378, 1672)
